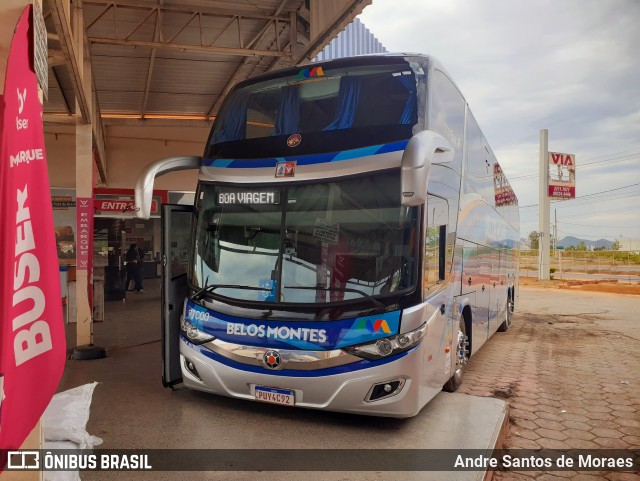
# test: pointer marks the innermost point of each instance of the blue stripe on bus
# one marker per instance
(323, 336)
(307, 159)
(354, 154)
(330, 371)
(393, 147)
(222, 163)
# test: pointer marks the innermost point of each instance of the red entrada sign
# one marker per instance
(121, 202)
(120, 205)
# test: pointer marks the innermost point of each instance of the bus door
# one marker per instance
(176, 245)
(494, 288)
(498, 290)
(474, 288)
(486, 265)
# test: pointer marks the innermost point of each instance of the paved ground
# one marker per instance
(569, 367)
(570, 370)
(131, 410)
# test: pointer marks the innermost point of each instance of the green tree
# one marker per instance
(599, 248)
(616, 245)
(580, 247)
(533, 239)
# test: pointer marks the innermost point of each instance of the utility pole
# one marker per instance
(543, 214)
(555, 229)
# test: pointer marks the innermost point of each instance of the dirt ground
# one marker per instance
(612, 287)
(569, 369)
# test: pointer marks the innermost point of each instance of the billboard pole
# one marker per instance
(543, 205)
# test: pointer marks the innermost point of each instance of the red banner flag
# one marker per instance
(32, 338)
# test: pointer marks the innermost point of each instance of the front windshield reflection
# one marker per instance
(318, 243)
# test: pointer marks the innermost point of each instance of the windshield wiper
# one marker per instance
(212, 287)
(369, 297)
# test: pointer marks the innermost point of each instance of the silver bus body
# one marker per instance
(452, 267)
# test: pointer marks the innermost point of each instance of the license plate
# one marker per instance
(275, 396)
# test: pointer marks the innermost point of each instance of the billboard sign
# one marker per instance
(562, 176)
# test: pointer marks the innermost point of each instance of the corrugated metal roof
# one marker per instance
(172, 58)
(356, 39)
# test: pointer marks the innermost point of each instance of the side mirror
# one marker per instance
(144, 184)
(424, 148)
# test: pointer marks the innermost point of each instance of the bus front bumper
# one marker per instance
(345, 390)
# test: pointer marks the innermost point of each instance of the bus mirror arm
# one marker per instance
(144, 184)
(424, 148)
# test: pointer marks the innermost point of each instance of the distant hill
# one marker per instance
(570, 241)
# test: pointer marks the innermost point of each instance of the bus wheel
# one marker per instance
(504, 327)
(462, 357)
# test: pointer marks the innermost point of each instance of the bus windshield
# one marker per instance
(306, 244)
(348, 105)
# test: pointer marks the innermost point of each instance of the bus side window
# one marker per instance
(435, 243)
(447, 114)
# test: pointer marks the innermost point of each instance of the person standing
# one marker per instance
(140, 270)
(131, 258)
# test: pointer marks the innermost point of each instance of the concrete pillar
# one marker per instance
(544, 244)
(84, 189)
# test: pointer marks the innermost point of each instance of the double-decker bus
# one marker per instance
(353, 241)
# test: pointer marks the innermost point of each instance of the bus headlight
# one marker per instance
(194, 334)
(388, 346)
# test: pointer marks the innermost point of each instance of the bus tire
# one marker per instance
(462, 357)
(504, 327)
(511, 301)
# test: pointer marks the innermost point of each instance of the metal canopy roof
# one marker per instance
(175, 59)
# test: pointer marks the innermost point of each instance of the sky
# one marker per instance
(569, 66)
